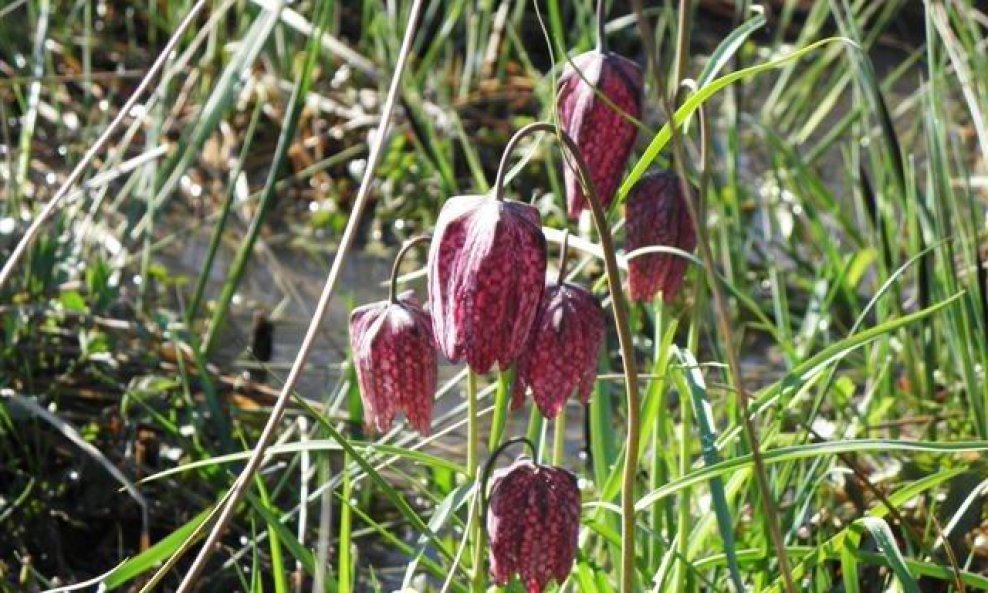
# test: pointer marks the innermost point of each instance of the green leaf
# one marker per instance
(72, 301)
(699, 98)
(150, 558)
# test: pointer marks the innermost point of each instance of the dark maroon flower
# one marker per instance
(395, 356)
(657, 215)
(486, 273)
(533, 523)
(561, 355)
(600, 127)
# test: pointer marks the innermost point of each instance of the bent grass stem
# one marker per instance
(239, 488)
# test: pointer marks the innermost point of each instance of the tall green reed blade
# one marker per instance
(701, 96)
(29, 122)
(814, 365)
(345, 545)
(833, 548)
(728, 49)
(755, 558)
(277, 570)
(286, 538)
(285, 139)
(809, 451)
(692, 382)
(396, 498)
(153, 556)
(220, 225)
(238, 490)
(882, 535)
(445, 512)
(952, 217)
(224, 92)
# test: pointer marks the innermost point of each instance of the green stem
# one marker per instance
(559, 438)
(472, 429)
(476, 529)
(620, 310)
(724, 329)
(657, 474)
(683, 520)
(217, 235)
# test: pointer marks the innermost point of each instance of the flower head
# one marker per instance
(600, 127)
(533, 522)
(486, 274)
(561, 355)
(657, 214)
(395, 357)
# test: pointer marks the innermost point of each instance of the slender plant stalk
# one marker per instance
(473, 440)
(46, 213)
(683, 522)
(559, 427)
(719, 500)
(33, 101)
(238, 489)
(769, 509)
(217, 235)
(559, 438)
(620, 309)
(657, 474)
(285, 139)
(345, 562)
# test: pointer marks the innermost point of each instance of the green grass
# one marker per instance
(846, 211)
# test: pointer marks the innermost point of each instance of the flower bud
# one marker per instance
(561, 355)
(486, 275)
(395, 357)
(598, 93)
(533, 523)
(657, 214)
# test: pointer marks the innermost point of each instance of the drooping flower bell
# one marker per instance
(561, 355)
(598, 92)
(657, 214)
(486, 275)
(533, 524)
(395, 357)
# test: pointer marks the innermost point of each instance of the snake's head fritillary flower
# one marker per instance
(657, 214)
(598, 93)
(395, 357)
(533, 523)
(486, 274)
(561, 355)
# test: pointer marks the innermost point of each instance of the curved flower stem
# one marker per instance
(620, 308)
(405, 248)
(601, 34)
(563, 252)
(485, 475)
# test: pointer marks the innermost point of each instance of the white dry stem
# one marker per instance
(239, 487)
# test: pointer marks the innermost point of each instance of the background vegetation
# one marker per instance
(147, 332)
